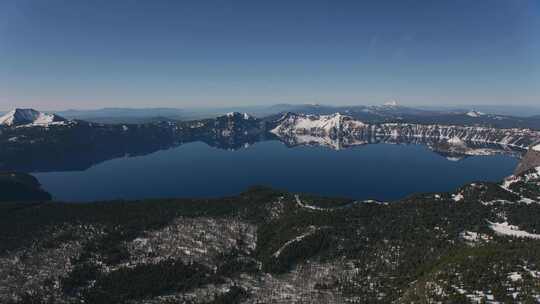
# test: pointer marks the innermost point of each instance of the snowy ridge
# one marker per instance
(391, 103)
(474, 113)
(536, 148)
(338, 125)
(244, 116)
(310, 231)
(30, 117)
(320, 125)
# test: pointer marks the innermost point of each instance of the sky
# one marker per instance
(78, 54)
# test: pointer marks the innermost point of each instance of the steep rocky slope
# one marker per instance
(342, 126)
(529, 161)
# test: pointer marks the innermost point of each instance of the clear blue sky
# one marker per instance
(58, 54)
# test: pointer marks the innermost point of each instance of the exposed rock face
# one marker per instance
(530, 161)
(342, 126)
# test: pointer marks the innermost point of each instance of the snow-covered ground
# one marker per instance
(245, 116)
(458, 197)
(510, 230)
(311, 230)
(474, 237)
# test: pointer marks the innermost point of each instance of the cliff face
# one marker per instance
(341, 126)
(531, 160)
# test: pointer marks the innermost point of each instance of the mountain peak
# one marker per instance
(21, 116)
(391, 103)
(321, 125)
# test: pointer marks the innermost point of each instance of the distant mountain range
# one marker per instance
(478, 243)
(387, 111)
(56, 144)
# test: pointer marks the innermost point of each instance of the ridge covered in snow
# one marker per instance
(391, 103)
(536, 148)
(23, 117)
(506, 229)
(316, 124)
(244, 116)
(474, 113)
(338, 125)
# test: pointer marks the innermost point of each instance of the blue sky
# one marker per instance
(59, 54)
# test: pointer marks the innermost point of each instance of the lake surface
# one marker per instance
(379, 171)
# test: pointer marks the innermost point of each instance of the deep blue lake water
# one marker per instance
(380, 171)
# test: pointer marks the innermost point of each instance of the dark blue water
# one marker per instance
(382, 171)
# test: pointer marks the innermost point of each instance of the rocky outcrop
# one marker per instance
(530, 161)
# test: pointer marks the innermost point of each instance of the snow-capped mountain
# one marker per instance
(22, 117)
(391, 103)
(321, 125)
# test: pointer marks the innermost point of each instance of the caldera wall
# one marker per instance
(529, 161)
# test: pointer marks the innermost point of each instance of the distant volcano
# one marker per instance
(21, 117)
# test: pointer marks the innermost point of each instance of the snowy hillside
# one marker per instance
(337, 125)
(316, 124)
(21, 117)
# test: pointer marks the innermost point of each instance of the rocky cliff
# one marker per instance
(342, 127)
(530, 161)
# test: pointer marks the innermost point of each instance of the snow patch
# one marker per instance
(244, 116)
(302, 205)
(299, 238)
(515, 276)
(511, 230)
(473, 237)
(456, 141)
(474, 113)
(457, 197)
